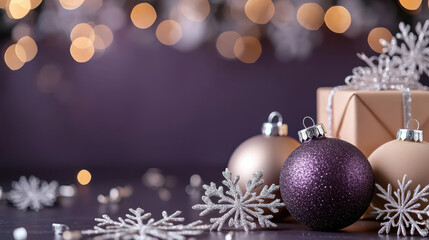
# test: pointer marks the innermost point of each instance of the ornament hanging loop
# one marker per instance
(313, 131)
(307, 117)
(410, 134)
(273, 115)
(271, 128)
(408, 123)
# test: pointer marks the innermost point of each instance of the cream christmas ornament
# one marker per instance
(266, 152)
(408, 154)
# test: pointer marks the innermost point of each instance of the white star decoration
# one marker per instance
(133, 227)
(32, 193)
(241, 209)
(404, 211)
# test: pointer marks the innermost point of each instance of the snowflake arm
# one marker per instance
(238, 208)
(134, 227)
(32, 193)
(401, 207)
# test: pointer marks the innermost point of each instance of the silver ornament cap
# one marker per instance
(316, 130)
(271, 128)
(412, 135)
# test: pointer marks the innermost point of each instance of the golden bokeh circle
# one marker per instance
(11, 57)
(338, 19)
(82, 30)
(225, 43)
(71, 4)
(247, 49)
(169, 32)
(30, 48)
(195, 10)
(84, 177)
(103, 37)
(82, 49)
(411, 4)
(143, 15)
(18, 9)
(374, 38)
(259, 11)
(310, 16)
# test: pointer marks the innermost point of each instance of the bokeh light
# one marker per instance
(225, 43)
(374, 38)
(48, 78)
(21, 30)
(169, 32)
(248, 49)
(30, 49)
(35, 3)
(84, 177)
(71, 4)
(82, 49)
(410, 4)
(284, 12)
(11, 57)
(195, 10)
(103, 37)
(3, 4)
(82, 30)
(338, 19)
(259, 11)
(18, 9)
(143, 15)
(310, 16)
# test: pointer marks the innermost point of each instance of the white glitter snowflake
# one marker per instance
(133, 227)
(401, 64)
(241, 209)
(413, 50)
(400, 212)
(32, 193)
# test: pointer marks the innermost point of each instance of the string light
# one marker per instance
(338, 19)
(84, 177)
(18, 9)
(310, 16)
(195, 10)
(11, 57)
(71, 4)
(169, 32)
(247, 49)
(259, 11)
(30, 49)
(225, 43)
(410, 4)
(143, 15)
(374, 38)
(82, 49)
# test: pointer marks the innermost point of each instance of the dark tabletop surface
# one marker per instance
(79, 212)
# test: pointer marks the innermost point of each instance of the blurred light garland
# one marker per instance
(236, 26)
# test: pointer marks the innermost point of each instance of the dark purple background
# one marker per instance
(152, 105)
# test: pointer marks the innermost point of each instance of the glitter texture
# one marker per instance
(327, 184)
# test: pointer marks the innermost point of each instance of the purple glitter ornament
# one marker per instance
(326, 183)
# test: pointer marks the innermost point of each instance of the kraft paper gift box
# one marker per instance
(368, 118)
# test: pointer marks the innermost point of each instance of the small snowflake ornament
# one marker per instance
(32, 193)
(238, 208)
(134, 227)
(404, 211)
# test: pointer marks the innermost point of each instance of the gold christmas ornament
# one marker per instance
(266, 152)
(407, 154)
